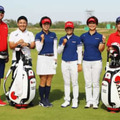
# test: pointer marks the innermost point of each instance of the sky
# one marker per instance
(61, 10)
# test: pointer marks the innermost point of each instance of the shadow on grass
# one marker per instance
(56, 95)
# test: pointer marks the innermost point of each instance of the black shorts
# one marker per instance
(2, 68)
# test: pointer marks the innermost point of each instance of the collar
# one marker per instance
(92, 34)
(69, 36)
(45, 33)
(19, 31)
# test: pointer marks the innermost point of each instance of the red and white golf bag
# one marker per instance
(23, 87)
(110, 91)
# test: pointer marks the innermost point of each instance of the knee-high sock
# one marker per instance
(47, 91)
(41, 92)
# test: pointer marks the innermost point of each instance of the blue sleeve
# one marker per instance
(55, 37)
(101, 39)
(79, 41)
(37, 37)
(60, 41)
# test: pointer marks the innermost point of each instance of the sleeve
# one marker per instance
(32, 38)
(37, 37)
(11, 37)
(60, 46)
(38, 44)
(79, 50)
(55, 48)
(81, 39)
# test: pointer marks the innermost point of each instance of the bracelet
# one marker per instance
(103, 42)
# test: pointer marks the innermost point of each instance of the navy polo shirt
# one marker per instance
(70, 49)
(48, 46)
(91, 44)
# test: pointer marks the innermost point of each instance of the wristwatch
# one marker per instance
(28, 45)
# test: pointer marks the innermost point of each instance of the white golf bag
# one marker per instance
(23, 87)
(110, 91)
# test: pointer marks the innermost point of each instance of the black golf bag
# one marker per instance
(23, 86)
(110, 91)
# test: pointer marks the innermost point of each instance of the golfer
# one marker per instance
(3, 47)
(71, 49)
(22, 37)
(46, 45)
(94, 44)
(114, 37)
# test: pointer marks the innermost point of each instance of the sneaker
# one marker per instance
(2, 103)
(74, 105)
(48, 103)
(65, 104)
(43, 103)
(87, 105)
(95, 106)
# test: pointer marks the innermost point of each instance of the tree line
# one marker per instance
(59, 24)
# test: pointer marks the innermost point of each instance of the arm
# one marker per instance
(102, 44)
(13, 45)
(79, 49)
(55, 49)
(39, 44)
(62, 46)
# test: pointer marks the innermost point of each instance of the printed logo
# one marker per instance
(97, 38)
(73, 41)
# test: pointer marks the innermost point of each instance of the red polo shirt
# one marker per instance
(114, 37)
(3, 36)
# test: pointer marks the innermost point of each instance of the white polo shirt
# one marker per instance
(27, 36)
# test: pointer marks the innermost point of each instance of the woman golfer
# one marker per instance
(46, 45)
(71, 49)
(94, 44)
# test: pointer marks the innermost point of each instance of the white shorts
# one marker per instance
(46, 65)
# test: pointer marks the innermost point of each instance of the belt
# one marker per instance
(48, 54)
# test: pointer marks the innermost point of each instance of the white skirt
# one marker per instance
(46, 65)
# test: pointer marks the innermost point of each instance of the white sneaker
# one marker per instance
(65, 104)
(74, 105)
(95, 106)
(87, 105)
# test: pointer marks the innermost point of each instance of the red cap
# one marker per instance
(92, 20)
(69, 25)
(46, 20)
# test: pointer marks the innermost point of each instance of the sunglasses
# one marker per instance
(2, 12)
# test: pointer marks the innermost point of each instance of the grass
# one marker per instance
(57, 94)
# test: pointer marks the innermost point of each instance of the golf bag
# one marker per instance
(23, 87)
(110, 91)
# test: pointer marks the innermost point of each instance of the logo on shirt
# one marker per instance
(16, 34)
(73, 41)
(51, 37)
(97, 38)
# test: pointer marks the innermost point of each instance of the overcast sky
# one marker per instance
(61, 10)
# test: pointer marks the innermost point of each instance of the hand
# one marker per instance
(42, 37)
(79, 67)
(21, 41)
(64, 41)
(55, 60)
(103, 39)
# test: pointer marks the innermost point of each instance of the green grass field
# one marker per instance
(57, 94)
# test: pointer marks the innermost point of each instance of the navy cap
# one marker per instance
(2, 8)
(117, 20)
